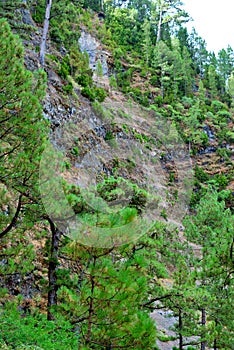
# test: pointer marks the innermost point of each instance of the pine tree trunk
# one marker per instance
(102, 6)
(215, 340)
(159, 26)
(89, 333)
(53, 263)
(45, 31)
(203, 322)
(180, 331)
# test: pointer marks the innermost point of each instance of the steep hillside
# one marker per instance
(116, 180)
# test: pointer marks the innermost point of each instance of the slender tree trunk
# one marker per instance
(215, 340)
(45, 31)
(162, 84)
(53, 263)
(14, 220)
(180, 331)
(89, 333)
(159, 26)
(203, 322)
(102, 6)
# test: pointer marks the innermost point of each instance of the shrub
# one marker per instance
(154, 81)
(158, 100)
(34, 331)
(118, 53)
(65, 68)
(200, 174)
(109, 136)
(89, 93)
(100, 94)
(38, 12)
(84, 80)
(217, 106)
(187, 101)
(75, 151)
(230, 136)
(68, 88)
(221, 180)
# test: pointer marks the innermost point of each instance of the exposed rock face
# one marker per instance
(26, 15)
(94, 49)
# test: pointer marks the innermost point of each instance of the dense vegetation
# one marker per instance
(59, 294)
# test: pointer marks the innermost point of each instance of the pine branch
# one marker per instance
(14, 219)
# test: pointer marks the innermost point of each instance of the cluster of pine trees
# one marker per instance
(58, 294)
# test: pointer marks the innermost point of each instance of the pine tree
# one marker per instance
(225, 65)
(23, 128)
(168, 11)
(212, 81)
(212, 229)
(231, 86)
(163, 62)
(147, 44)
(106, 302)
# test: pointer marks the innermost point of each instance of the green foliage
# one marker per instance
(88, 93)
(38, 12)
(24, 130)
(102, 112)
(64, 23)
(34, 331)
(200, 174)
(158, 100)
(75, 151)
(109, 135)
(107, 293)
(218, 106)
(99, 70)
(84, 80)
(220, 180)
(211, 228)
(68, 88)
(154, 80)
(94, 93)
(100, 94)
(65, 67)
(139, 96)
(123, 79)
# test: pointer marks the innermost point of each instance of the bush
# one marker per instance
(89, 93)
(94, 93)
(38, 12)
(34, 331)
(109, 136)
(65, 68)
(158, 100)
(68, 88)
(154, 81)
(221, 180)
(118, 53)
(217, 106)
(200, 174)
(84, 80)
(187, 101)
(100, 94)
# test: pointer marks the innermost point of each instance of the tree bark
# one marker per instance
(45, 32)
(203, 322)
(180, 331)
(89, 333)
(14, 219)
(215, 345)
(159, 25)
(53, 264)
